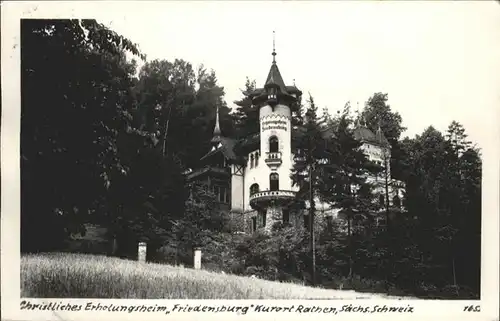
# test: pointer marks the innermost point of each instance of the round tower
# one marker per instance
(275, 103)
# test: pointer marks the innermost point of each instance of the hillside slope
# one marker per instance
(59, 275)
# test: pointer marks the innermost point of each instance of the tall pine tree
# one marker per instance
(344, 184)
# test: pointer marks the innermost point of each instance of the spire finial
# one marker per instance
(358, 120)
(379, 130)
(274, 47)
(217, 131)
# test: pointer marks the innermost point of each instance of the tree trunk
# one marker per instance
(387, 222)
(454, 275)
(349, 244)
(311, 228)
(386, 172)
(166, 132)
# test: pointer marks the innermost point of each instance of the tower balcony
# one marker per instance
(273, 159)
(265, 198)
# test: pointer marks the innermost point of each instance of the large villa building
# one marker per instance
(251, 176)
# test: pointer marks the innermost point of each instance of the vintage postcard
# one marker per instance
(259, 160)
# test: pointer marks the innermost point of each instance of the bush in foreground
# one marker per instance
(60, 275)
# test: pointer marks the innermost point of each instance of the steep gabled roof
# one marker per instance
(225, 146)
(293, 90)
(364, 134)
(380, 137)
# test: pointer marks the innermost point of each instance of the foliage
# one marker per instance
(246, 116)
(175, 101)
(281, 255)
(310, 150)
(76, 102)
(377, 112)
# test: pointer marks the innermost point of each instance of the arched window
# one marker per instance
(396, 201)
(273, 144)
(251, 160)
(256, 159)
(274, 183)
(254, 188)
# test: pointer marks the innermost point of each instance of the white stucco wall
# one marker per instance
(277, 123)
(376, 153)
(237, 186)
(254, 175)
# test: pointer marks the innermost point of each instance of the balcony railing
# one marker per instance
(273, 159)
(271, 195)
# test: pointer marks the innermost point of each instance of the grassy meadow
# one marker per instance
(64, 275)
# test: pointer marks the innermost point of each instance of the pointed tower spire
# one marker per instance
(217, 131)
(274, 78)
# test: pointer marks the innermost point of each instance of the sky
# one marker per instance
(438, 61)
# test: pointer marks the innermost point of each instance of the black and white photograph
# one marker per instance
(298, 151)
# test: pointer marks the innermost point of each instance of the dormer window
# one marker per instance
(272, 94)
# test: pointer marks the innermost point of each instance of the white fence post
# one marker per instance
(197, 258)
(141, 252)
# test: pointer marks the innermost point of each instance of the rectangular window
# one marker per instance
(261, 218)
(228, 195)
(329, 223)
(222, 194)
(286, 216)
(306, 221)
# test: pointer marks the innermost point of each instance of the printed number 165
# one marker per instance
(472, 308)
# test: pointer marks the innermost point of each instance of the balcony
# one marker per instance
(273, 159)
(262, 199)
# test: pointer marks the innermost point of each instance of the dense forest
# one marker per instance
(104, 143)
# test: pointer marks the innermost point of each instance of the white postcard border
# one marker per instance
(11, 13)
